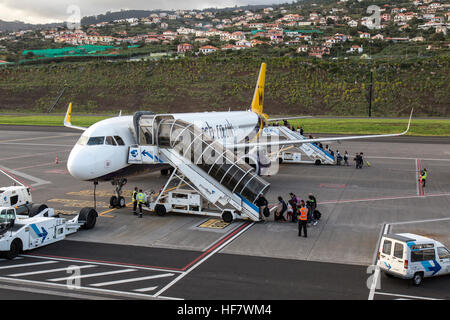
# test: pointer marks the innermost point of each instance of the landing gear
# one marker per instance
(118, 201)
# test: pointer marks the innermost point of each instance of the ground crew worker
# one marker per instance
(302, 219)
(424, 177)
(140, 197)
(135, 192)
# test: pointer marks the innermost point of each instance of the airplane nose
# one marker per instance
(77, 164)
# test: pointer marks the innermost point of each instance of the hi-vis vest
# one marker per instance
(134, 196)
(424, 175)
(303, 214)
(140, 197)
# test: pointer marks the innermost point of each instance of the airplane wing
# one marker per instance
(67, 122)
(288, 118)
(294, 142)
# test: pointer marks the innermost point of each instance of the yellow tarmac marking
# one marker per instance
(98, 193)
(79, 204)
(214, 224)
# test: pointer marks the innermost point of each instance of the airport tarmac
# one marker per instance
(193, 257)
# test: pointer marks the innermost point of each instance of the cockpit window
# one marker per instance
(110, 141)
(119, 141)
(95, 141)
(83, 140)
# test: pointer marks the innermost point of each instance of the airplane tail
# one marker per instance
(258, 96)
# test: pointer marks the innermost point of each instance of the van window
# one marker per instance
(14, 199)
(387, 244)
(443, 253)
(423, 255)
(398, 250)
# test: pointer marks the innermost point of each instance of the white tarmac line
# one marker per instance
(103, 263)
(34, 144)
(405, 296)
(37, 181)
(46, 271)
(40, 138)
(376, 275)
(27, 264)
(34, 155)
(90, 275)
(181, 276)
(145, 289)
(420, 221)
(87, 289)
(110, 283)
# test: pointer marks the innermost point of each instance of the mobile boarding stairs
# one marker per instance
(209, 180)
(300, 153)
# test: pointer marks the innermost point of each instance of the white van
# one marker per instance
(410, 256)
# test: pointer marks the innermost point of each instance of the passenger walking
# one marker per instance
(140, 197)
(262, 203)
(338, 158)
(346, 158)
(295, 202)
(311, 204)
(301, 130)
(135, 192)
(279, 215)
(302, 219)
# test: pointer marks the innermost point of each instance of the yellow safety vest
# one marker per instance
(303, 214)
(133, 196)
(140, 197)
(424, 175)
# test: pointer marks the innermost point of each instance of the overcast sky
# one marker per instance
(45, 11)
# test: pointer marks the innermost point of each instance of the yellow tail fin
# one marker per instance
(258, 97)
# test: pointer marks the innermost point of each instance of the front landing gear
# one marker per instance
(118, 201)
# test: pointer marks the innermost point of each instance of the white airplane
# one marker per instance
(101, 152)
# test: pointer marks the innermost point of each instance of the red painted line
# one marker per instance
(420, 177)
(384, 198)
(25, 184)
(215, 246)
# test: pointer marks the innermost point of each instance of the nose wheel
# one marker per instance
(117, 201)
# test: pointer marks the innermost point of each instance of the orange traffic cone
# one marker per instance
(56, 160)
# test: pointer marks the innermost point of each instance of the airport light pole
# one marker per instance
(370, 92)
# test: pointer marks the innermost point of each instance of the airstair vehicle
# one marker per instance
(302, 153)
(210, 181)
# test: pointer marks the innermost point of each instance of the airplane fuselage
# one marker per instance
(101, 152)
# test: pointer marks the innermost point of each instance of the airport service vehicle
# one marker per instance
(411, 256)
(21, 232)
(220, 154)
(20, 198)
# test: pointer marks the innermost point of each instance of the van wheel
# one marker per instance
(317, 162)
(14, 250)
(417, 279)
(88, 216)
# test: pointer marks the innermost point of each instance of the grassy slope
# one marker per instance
(293, 86)
(419, 127)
